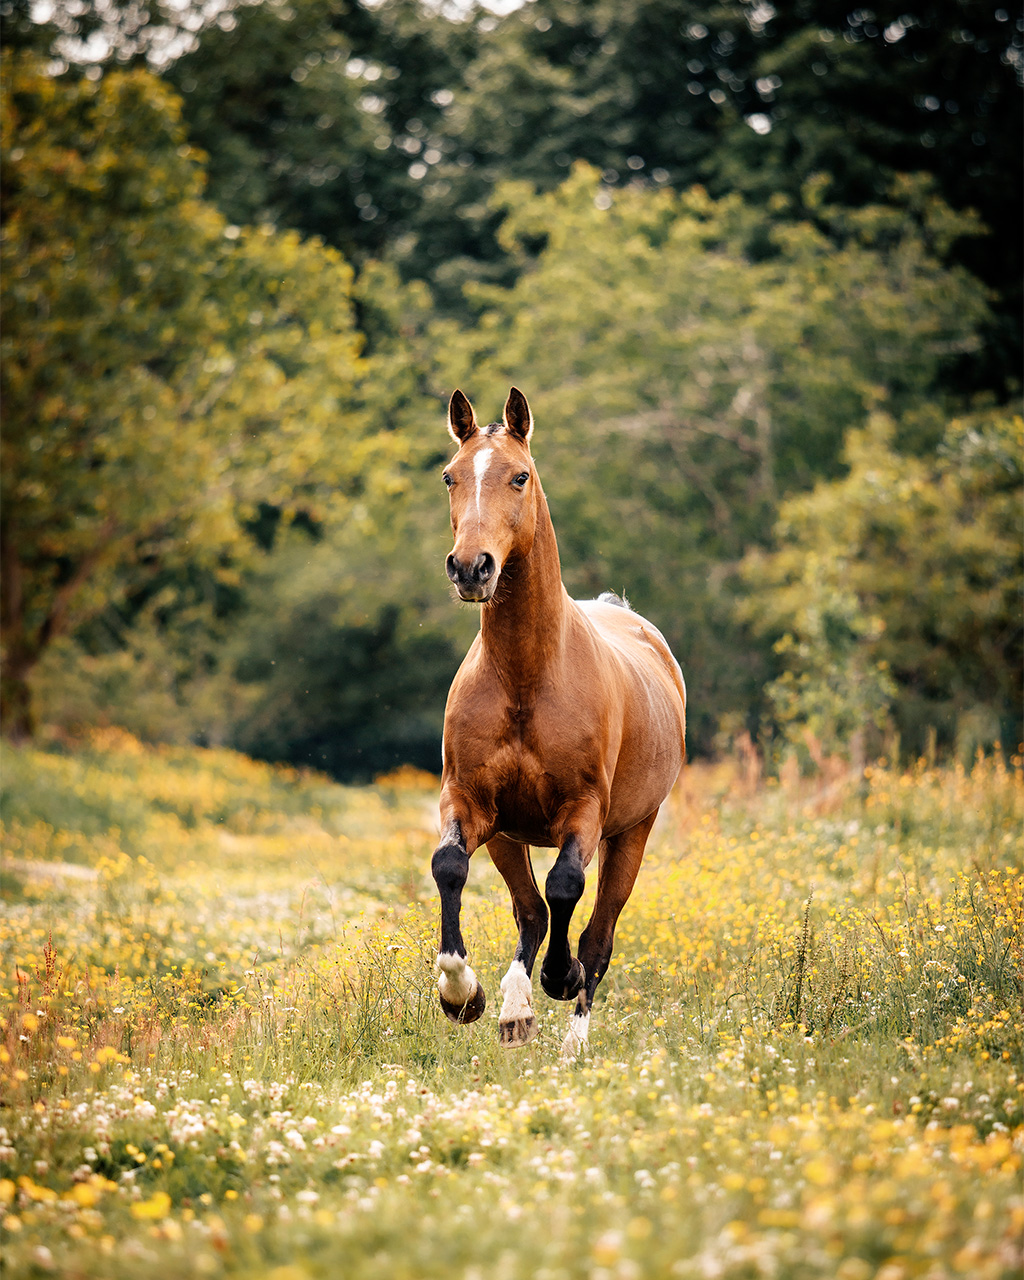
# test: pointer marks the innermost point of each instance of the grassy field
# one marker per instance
(222, 1053)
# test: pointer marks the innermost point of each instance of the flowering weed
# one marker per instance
(221, 1051)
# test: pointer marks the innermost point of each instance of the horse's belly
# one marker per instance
(534, 840)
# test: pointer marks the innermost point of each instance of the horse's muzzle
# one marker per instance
(474, 581)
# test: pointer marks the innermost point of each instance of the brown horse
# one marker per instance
(564, 728)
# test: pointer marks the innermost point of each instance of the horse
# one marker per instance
(564, 728)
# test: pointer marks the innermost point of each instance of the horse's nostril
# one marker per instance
(471, 574)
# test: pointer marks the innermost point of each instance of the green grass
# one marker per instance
(223, 1055)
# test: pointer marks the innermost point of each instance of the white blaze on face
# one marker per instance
(518, 992)
(457, 982)
(480, 464)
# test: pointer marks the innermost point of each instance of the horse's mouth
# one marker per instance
(476, 593)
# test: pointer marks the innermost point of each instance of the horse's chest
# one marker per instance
(522, 759)
(526, 806)
(532, 775)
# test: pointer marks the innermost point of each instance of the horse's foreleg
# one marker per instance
(561, 975)
(620, 862)
(461, 995)
(517, 1022)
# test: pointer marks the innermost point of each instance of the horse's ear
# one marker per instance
(461, 418)
(517, 415)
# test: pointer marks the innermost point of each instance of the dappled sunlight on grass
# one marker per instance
(221, 1050)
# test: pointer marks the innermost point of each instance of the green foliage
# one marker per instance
(384, 127)
(267, 96)
(832, 688)
(899, 586)
(689, 365)
(186, 391)
(349, 650)
(426, 111)
(164, 679)
(351, 638)
(163, 372)
(867, 94)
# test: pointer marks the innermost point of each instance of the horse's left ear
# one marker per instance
(517, 415)
(461, 418)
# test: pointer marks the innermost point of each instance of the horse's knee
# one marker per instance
(450, 868)
(566, 879)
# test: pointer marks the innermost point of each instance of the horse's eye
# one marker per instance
(521, 479)
(448, 480)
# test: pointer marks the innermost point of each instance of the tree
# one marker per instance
(446, 106)
(690, 365)
(897, 588)
(742, 97)
(163, 372)
(865, 94)
(269, 98)
(349, 649)
(385, 126)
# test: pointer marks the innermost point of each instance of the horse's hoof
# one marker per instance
(517, 1031)
(468, 1012)
(570, 986)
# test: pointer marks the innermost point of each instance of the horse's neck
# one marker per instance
(523, 630)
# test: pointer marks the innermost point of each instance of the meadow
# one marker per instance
(221, 1052)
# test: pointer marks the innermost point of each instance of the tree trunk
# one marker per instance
(16, 720)
(23, 647)
(17, 723)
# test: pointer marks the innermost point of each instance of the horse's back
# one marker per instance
(636, 640)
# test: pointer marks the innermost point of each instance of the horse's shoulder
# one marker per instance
(473, 673)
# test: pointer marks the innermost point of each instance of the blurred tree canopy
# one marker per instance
(250, 250)
(163, 372)
(898, 588)
(690, 366)
(384, 126)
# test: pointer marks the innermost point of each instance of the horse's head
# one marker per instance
(493, 491)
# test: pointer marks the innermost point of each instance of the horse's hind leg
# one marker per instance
(621, 856)
(461, 995)
(516, 1021)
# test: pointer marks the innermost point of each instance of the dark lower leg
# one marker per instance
(450, 869)
(516, 1022)
(531, 915)
(461, 995)
(533, 925)
(595, 954)
(561, 976)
